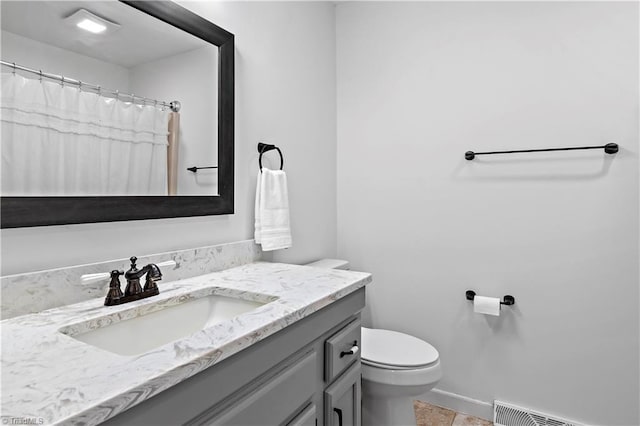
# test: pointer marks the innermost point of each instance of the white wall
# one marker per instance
(285, 94)
(192, 79)
(421, 83)
(54, 60)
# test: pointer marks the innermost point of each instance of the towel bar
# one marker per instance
(610, 148)
(195, 169)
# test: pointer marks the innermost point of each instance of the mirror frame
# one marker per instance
(41, 211)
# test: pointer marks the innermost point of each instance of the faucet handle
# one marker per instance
(115, 292)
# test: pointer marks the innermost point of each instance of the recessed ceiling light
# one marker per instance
(86, 20)
(91, 26)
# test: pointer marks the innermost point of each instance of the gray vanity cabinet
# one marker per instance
(303, 375)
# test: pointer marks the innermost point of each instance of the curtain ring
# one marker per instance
(79, 86)
(14, 68)
(62, 81)
(40, 76)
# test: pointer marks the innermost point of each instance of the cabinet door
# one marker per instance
(274, 399)
(306, 418)
(342, 399)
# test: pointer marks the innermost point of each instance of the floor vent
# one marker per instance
(509, 415)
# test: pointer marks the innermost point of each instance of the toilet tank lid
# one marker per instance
(330, 264)
(396, 349)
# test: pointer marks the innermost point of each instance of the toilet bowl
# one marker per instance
(395, 368)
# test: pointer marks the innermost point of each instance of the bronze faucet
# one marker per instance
(134, 290)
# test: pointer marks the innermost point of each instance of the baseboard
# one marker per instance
(459, 403)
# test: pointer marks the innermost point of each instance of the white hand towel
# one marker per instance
(272, 229)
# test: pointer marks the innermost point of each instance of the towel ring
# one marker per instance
(263, 147)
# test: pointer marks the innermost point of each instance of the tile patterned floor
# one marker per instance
(432, 415)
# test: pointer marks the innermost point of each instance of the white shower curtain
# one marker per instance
(58, 140)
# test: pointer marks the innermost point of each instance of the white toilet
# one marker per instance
(395, 368)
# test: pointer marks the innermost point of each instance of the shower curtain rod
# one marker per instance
(174, 105)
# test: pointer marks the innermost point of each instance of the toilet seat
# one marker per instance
(394, 367)
(393, 350)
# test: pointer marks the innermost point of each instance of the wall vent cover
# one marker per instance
(510, 415)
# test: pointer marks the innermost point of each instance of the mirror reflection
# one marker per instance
(104, 100)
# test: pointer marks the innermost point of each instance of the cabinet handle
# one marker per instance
(354, 350)
(339, 413)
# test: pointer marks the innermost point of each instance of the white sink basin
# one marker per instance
(151, 330)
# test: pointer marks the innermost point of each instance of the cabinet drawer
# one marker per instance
(339, 348)
(274, 400)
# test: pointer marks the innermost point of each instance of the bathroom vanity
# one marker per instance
(295, 377)
(289, 356)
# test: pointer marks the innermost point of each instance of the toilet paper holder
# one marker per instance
(506, 300)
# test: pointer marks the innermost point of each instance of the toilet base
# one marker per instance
(385, 404)
(387, 411)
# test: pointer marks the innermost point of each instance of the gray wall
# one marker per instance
(421, 83)
(285, 94)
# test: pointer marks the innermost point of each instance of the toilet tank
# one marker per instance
(330, 264)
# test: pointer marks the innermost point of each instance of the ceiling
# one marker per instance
(140, 38)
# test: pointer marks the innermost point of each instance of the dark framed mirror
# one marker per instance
(27, 210)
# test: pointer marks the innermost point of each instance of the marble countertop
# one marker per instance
(51, 378)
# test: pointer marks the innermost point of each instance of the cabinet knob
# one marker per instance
(354, 350)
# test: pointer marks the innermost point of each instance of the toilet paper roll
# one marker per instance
(486, 305)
